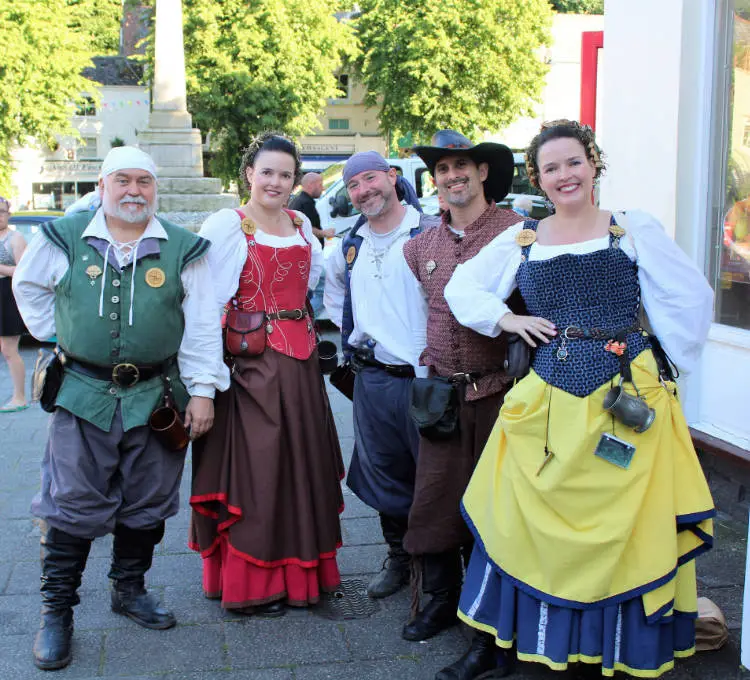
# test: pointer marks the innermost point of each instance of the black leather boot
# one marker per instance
(395, 573)
(442, 579)
(482, 660)
(132, 555)
(63, 561)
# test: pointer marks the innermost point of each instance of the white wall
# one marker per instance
(561, 97)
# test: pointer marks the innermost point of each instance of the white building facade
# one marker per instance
(674, 122)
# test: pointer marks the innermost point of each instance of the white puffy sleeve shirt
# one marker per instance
(228, 251)
(200, 356)
(677, 299)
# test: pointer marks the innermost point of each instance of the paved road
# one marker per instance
(208, 643)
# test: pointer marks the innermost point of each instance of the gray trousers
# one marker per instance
(93, 480)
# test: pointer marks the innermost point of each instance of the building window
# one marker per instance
(338, 124)
(86, 108)
(343, 85)
(729, 252)
(87, 149)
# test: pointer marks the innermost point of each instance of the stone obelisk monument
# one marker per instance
(185, 195)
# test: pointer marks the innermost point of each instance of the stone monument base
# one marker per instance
(188, 201)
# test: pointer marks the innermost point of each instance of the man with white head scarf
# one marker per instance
(130, 299)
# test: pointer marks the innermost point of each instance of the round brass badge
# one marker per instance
(155, 277)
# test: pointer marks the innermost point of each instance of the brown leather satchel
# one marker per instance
(245, 333)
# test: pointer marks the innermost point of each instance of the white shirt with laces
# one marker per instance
(388, 303)
(677, 299)
(200, 357)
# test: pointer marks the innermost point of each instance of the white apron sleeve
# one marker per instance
(676, 297)
(40, 269)
(479, 287)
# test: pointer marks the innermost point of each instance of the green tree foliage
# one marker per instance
(252, 66)
(45, 44)
(579, 6)
(472, 65)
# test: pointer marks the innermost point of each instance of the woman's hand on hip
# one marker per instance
(530, 328)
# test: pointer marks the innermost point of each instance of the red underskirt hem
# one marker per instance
(228, 575)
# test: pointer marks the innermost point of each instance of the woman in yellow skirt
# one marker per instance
(587, 512)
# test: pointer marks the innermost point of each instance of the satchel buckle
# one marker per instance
(125, 375)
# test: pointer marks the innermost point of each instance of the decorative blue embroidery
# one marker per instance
(595, 290)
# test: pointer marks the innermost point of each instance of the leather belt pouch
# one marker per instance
(47, 379)
(434, 407)
(518, 357)
(245, 333)
(342, 378)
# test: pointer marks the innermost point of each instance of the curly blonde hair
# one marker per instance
(269, 141)
(563, 128)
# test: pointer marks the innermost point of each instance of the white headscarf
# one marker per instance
(128, 158)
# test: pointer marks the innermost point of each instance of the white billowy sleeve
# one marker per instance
(477, 291)
(316, 258)
(676, 297)
(335, 287)
(40, 269)
(200, 356)
(227, 254)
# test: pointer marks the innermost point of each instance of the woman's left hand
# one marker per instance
(199, 416)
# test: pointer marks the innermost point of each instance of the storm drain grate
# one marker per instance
(348, 601)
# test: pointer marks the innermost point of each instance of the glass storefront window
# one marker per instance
(730, 253)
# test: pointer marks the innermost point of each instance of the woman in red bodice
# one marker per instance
(266, 496)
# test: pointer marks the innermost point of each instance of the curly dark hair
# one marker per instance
(563, 128)
(269, 141)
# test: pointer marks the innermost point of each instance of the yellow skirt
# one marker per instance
(578, 530)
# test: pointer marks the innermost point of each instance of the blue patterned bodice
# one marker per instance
(595, 290)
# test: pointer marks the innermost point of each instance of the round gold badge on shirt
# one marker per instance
(248, 226)
(297, 221)
(351, 254)
(155, 277)
(616, 230)
(525, 237)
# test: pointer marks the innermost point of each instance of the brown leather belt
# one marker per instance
(287, 315)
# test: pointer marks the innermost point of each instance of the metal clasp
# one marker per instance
(125, 375)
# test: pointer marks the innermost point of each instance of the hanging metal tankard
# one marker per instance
(629, 409)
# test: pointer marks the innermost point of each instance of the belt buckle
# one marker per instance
(298, 315)
(125, 375)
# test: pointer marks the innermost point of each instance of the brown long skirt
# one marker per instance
(444, 469)
(266, 491)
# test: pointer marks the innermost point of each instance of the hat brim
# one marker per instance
(498, 157)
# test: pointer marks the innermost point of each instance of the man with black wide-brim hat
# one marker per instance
(470, 180)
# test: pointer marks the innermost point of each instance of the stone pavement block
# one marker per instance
(729, 600)
(397, 669)
(19, 614)
(24, 578)
(15, 504)
(102, 547)
(16, 661)
(5, 571)
(188, 603)
(377, 638)
(361, 559)
(267, 674)
(362, 531)
(18, 537)
(722, 664)
(258, 643)
(355, 508)
(175, 541)
(170, 570)
(184, 649)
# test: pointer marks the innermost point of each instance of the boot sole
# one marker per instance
(145, 624)
(53, 665)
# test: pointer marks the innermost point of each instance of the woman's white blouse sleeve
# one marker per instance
(479, 287)
(676, 297)
(227, 254)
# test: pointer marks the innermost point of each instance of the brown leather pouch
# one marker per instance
(245, 333)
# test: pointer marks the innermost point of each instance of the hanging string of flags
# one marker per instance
(121, 103)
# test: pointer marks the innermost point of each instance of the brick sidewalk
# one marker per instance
(209, 644)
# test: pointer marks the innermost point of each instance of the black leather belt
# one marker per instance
(396, 370)
(575, 333)
(122, 375)
(287, 315)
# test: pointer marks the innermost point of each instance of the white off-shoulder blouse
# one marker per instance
(676, 298)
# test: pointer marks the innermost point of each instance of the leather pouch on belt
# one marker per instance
(434, 407)
(245, 333)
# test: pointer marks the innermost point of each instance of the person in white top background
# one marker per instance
(588, 504)
(372, 295)
(129, 297)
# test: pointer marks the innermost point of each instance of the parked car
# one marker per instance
(29, 222)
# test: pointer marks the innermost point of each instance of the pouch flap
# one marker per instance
(430, 398)
(239, 321)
